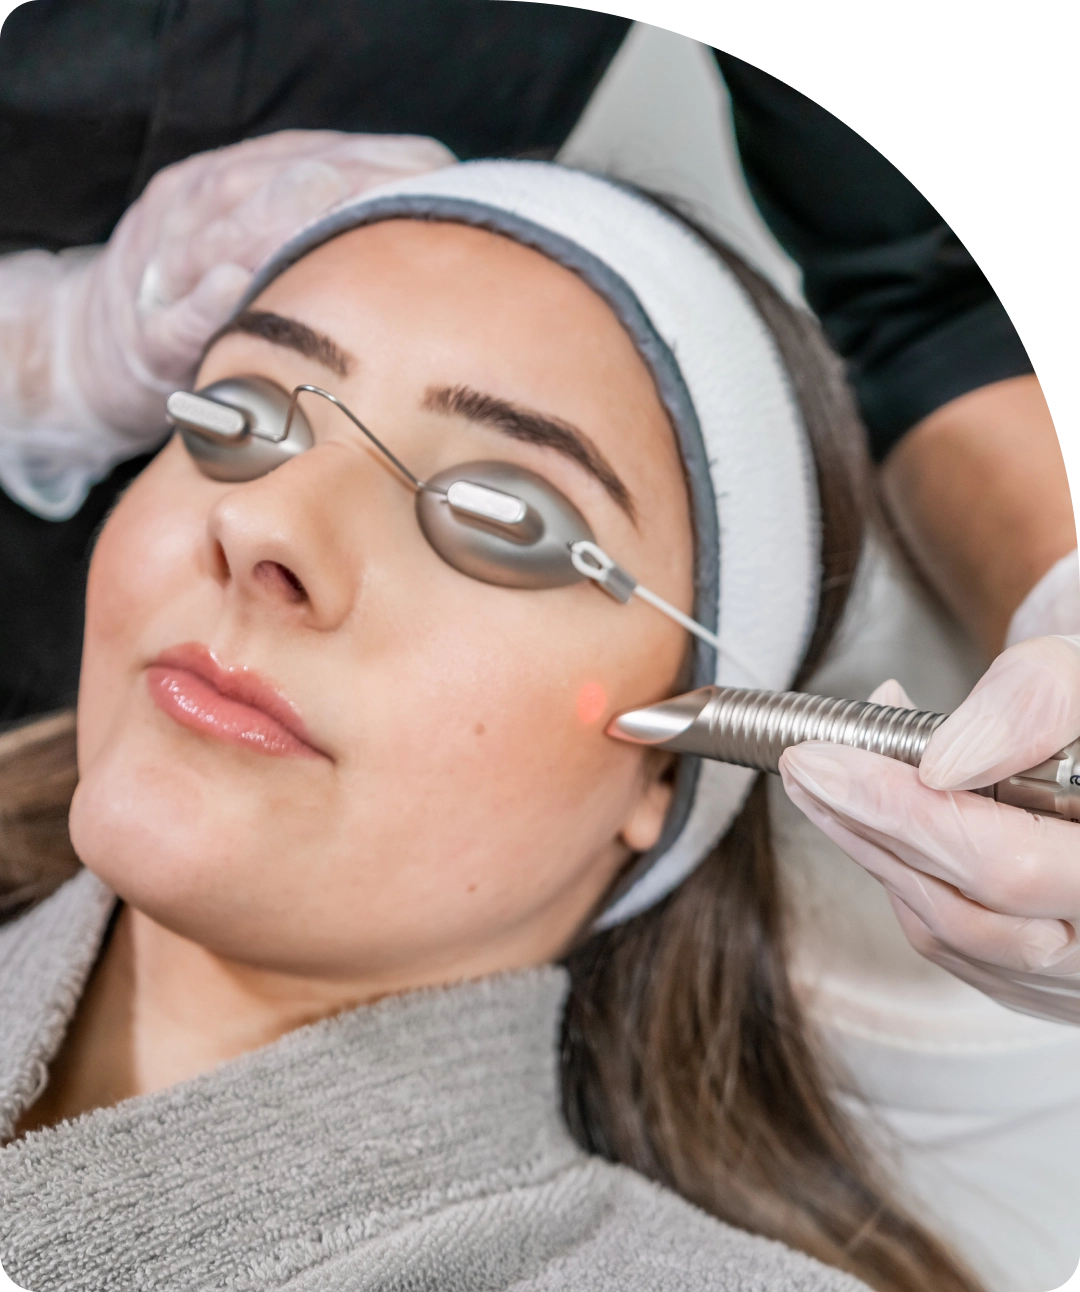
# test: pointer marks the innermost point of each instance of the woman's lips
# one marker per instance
(233, 705)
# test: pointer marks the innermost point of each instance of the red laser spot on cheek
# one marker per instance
(591, 703)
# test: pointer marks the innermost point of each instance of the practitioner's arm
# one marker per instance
(978, 493)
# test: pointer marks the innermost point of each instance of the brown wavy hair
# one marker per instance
(685, 1054)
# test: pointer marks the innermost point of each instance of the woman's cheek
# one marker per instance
(146, 554)
(513, 711)
(591, 702)
(144, 562)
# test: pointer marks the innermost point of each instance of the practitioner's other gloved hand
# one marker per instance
(987, 891)
(93, 340)
(1052, 605)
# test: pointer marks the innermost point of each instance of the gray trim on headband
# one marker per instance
(671, 387)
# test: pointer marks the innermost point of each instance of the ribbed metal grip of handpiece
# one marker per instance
(753, 728)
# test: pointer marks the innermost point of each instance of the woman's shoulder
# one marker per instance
(587, 1227)
(647, 1237)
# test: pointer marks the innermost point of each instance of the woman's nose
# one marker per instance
(279, 543)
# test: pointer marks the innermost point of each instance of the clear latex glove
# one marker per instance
(1052, 605)
(987, 891)
(92, 341)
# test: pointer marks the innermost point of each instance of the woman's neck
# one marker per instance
(159, 1009)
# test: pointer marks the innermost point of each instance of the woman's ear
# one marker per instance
(642, 827)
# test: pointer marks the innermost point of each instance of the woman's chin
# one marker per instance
(163, 840)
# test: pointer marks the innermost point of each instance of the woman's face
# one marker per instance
(410, 782)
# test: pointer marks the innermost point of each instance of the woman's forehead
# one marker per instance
(433, 256)
(466, 305)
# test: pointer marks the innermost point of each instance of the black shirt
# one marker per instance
(97, 95)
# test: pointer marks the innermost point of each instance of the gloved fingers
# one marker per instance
(183, 198)
(174, 336)
(1007, 860)
(256, 222)
(1032, 965)
(211, 185)
(291, 197)
(892, 694)
(1023, 709)
(233, 170)
(875, 857)
(244, 215)
(180, 199)
(941, 921)
(1054, 996)
(244, 235)
(407, 154)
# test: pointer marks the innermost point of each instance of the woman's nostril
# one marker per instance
(220, 562)
(281, 579)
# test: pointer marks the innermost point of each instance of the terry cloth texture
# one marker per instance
(415, 1144)
(749, 467)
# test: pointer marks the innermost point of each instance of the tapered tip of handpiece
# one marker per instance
(659, 724)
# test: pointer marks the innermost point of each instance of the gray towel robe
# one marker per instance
(415, 1144)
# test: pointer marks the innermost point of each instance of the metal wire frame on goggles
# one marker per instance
(493, 521)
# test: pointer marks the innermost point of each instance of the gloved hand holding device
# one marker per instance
(93, 340)
(987, 891)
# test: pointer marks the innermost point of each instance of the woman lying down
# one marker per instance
(387, 967)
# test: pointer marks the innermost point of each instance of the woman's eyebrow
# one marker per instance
(292, 335)
(533, 428)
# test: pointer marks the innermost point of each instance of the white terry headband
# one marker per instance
(751, 474)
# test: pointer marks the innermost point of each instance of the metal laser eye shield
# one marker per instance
(493, 521)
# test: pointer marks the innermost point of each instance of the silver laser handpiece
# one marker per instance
(753, 728)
